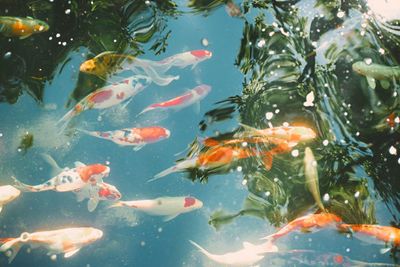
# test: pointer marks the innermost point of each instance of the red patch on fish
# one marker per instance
(101, 96)
(86, 172)
(174, 102)
(151, 134)
(105, 135)
(104, 192)
(200, 53)
(189, 201)
(391, 119)
(120, 95)
(338, 259)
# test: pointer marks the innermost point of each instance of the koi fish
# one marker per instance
(108, 63)
(21, 27)
(291, 134)
(137, 137)
(387, 234)
(69, 179)
(311, 174)
(375, 72)
(177, 103)
(102, 191)
(170, 207)
(7, 194)
(108, 96)
(68, 241)
(306, 222)
(247, 256)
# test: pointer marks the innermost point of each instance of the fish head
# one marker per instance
(109, 192)
(93, 234)
(41, 26)
(192, 203)
(203, 89)
(89, 66)
(10, 191)
(303, 133)
(201, 54)
(359, 67)
(93, 173)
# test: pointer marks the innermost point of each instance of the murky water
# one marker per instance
(284, 67)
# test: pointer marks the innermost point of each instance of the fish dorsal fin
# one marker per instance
(138, 147)
(92, 204)
(371, 82)
(170, 217)
(248, 245)
(53, 163)
(79, 164)
(105, 53)
(71, 253)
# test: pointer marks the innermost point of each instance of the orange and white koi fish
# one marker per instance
(177, 103)
(387, 234)
(108, 96)
(69, 179)
(311, 175)
(68, 241)
(102, 191)
(307, 222)
(7, 194)
(21, 27)
(249, 255)
(291, 134)
(136, 137)
(169, 207)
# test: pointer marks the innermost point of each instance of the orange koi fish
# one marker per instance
(68, 241)
(7, 194)
(291, 134)
(136, 137)
(306, 222)
(21, 27)
(219, 156)
(387, 234)
(69, 179)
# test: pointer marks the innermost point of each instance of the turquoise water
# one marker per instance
(264, 73)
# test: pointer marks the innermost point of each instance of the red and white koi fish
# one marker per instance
(68, 241)
(7, 194)
(170, 207)
(177, 103)
(69, 179)
(247, 256)
(108, 96)
(102, 191)
(387, 234)
(307, 222)
(291, 134)
(180, 60)
(136, 137)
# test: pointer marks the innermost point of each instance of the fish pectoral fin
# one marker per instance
(385, 84)
(25, 36)
(384, 250)
(79, 164)
(137, 148)
(170, 217)
(71, 253)
(248, 245)
(371, 82)
(92, 204)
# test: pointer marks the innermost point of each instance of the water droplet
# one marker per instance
(295, 153)
(67, 11)
(269, 115)
(159, 229)
(244, 182)
(267, 194)
(340, 14)
(357, 194)
(326, 197)
(368, 61)
(7, 55)
(261, 43)
(244, 144)
(53, 257)
(381, 51)
(325, 142)
(1, 135)
(58, 35)
(346, 202)
(239, 168)
(392, 150)
(107, 162)
(142, 243)
(276, 179)
(347, 249)
(204, 42)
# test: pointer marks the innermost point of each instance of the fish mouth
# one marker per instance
(167, 133)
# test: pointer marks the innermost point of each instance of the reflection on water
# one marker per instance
(330, 68)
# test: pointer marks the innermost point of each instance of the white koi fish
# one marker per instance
(170, 207)
(247, 256)
(177, 103)
(68, 241)
(108, 96)
(136, 137)
(374, 72)
(102, 191)
(69, 179)
(7, 194)
(311, 174)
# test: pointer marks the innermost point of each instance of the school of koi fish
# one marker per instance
(86, 181)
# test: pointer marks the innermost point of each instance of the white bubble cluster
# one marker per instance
(392, 150)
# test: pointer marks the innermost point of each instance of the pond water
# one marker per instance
(315, 76)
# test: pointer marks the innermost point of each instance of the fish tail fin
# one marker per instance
(86, 132)
(158, 79)
(267, 160)
(164, 173)
(210, 142)
(68, 116)
(268, 238)
(24, 187)
(202, 250)
(11, 247)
